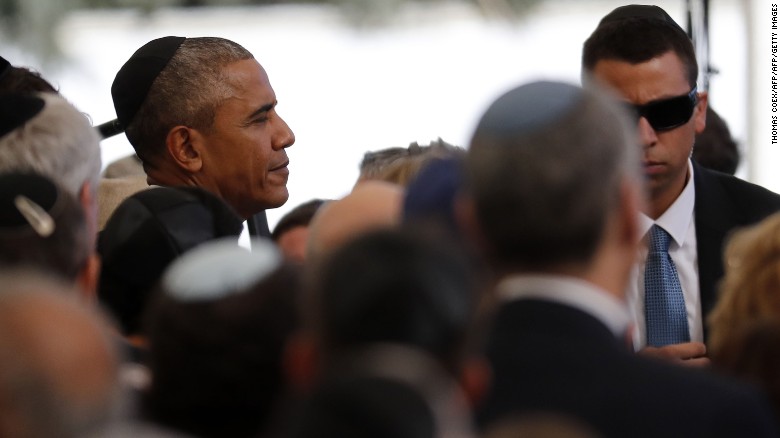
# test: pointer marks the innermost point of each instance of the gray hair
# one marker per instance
(545, 168)
(64, 252)
(186, 92)
(59, 142)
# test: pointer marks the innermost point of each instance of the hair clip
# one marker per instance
(36, 216)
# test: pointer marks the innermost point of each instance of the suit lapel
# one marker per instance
(713, 215)
(258, 225)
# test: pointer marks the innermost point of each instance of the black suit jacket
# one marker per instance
(723, 203)
(554, 358)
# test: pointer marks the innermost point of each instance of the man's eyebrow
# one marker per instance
(263, 109)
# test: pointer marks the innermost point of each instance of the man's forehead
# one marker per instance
(249, 83)
(246, 72)
(659, 77)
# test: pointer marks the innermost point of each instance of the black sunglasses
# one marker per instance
(667, 114)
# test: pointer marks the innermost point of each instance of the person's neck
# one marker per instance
(610, 271)
(661, 201)
(166, 178)
(658, 206)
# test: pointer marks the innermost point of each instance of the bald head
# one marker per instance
(58, 369)
(371, 205)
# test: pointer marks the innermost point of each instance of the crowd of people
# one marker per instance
(573, 271)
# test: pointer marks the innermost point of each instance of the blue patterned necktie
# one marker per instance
(665, 315)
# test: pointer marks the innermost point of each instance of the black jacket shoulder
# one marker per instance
(749, 202)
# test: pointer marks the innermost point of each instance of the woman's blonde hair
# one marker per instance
(750, 288)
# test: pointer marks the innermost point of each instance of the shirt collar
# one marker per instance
(245, 238)
(572, 292)
(677, 218)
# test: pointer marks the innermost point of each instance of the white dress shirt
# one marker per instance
(678, 221)
(244, 239)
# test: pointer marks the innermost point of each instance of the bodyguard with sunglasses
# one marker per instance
(642, 54)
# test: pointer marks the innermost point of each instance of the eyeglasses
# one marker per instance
(667, 114)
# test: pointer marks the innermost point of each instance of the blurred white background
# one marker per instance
(427, 71)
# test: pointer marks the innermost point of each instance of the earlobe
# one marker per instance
(183, 147)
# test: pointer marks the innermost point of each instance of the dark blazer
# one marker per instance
(723, 203)
(551, 357)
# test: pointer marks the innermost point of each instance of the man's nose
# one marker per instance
(283, 136)
(647, 135)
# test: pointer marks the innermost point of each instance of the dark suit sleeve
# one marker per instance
(724, 203)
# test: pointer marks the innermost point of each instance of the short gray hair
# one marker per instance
(545, 167)
(59, 142)
(186, 92)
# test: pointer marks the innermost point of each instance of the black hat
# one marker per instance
(28, 202)
(146, 233)
(134, 79)
(639, 11)
(16, 109)
(431, 195)
(5, 67)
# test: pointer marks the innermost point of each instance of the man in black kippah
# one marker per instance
(201, 112)
(642, 54)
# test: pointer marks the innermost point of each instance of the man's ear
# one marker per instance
(183, 147)
(632, 201)
(468, 223)
(87, 279)
(88, 200)
(700, 114)
(475, 379)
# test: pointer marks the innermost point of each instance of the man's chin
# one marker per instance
(653, 181)
(277, 200)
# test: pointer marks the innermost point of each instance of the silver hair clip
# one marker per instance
(36, 216)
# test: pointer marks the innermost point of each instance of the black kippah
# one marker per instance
(5, 67)
(16, 109)
(639, 11)
(27, 200)
(134, 79)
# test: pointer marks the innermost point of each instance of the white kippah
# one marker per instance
(219, 268)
